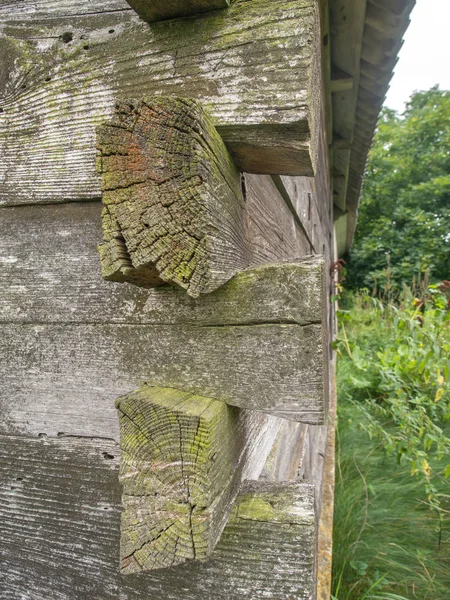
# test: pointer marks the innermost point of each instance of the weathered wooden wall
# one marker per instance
(70, 487)
(63, 329)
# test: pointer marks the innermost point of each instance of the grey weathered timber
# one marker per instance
(277, 368)
(284, 461)
(158, 10)
(60, 527)
(311, 201)
(270, 358)
(183, 459)
(59, 517)
(326, 514)
(254, 67)
(269, 542)
(52, 275)
(173, 202)
(38, 10)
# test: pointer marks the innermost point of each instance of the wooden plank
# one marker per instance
(173, 202)
(310, 200)
(325, 533)
(272, 231)
(59, 518)
(284, 461)
(183, 460)
(60, 524)
(252, 67)
(158, 10)
(326, 68)
(64, 378)
(270, 541)
(302, 194)
(46, 279)
(347, 20)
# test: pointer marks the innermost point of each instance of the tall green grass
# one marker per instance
(392, 515)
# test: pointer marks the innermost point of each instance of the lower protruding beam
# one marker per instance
(183, 459)
(160, 10)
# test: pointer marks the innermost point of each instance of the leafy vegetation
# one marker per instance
(392, 530)
(404, 217)
(392, 515)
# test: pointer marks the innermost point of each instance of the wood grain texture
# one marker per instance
(22, 10)
(253, 67)
(54, 292)
(284, 461)
(158, 10)
(183, 459)
(172, 196)
(59, 518)
(60, 525)
(46, 279)
(326, 515)
(64, 378)
(271, 537)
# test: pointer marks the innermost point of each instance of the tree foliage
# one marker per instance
(404, 218)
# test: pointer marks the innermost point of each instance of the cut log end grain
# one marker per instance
(173, 203)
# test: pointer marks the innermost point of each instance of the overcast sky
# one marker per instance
(424, 59)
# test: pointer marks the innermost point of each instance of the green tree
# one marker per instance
(404, 217)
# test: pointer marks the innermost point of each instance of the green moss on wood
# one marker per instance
(177, 469)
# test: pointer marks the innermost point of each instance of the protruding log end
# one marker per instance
(179, 454)
(160, 10)
(173, 203)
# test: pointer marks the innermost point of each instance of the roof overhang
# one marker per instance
(362, 39)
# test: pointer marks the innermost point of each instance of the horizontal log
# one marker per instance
(60, 525)
(173, 202)
(158, 10)
(183, 459)
(53, 290)
(254, 67)
(22, 10)
(64, 378)
(45, 279)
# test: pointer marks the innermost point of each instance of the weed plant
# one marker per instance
(392, 518)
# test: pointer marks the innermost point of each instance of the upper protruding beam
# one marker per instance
(160, 10)
(173, 200)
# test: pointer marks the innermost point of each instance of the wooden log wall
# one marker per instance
(73, 343)
(259, 81)
(70, 487)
